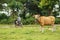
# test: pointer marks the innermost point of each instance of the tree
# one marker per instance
(47, 6)
(32, 6)
(15, 6)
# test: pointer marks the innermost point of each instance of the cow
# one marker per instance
(45, 20)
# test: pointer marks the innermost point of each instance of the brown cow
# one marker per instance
(43, 20)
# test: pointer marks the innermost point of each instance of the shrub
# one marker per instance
(29, 20)
(4, 21)
(57, 21)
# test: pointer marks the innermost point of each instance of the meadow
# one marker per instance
(28, 32)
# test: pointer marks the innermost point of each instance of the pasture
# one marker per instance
(28, 32)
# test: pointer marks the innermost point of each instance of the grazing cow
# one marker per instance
(43, 20)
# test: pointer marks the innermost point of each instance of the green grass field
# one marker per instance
(28, 32)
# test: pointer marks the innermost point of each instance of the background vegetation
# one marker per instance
(28, 7)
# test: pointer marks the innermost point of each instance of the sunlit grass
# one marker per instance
(28, 32)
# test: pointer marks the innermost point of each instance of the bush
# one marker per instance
(26, 21)
(57, 21)
(29, 20)
(4, 21)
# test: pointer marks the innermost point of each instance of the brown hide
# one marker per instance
(46, 20)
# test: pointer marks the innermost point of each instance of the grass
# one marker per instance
(28, 32)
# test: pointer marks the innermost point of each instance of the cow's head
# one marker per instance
(36, 16)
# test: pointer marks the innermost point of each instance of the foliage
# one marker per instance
(15, 4)
(3, 16)
(47, 6)
(4, 19)
(43, 7)
(29, 20)
(57, 21)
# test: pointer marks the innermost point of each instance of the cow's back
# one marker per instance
(52, 18)
(46, 20)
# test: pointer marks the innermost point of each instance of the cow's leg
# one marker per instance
(42, 28)
(53, 28)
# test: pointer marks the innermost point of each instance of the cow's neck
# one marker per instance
(38, 19)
